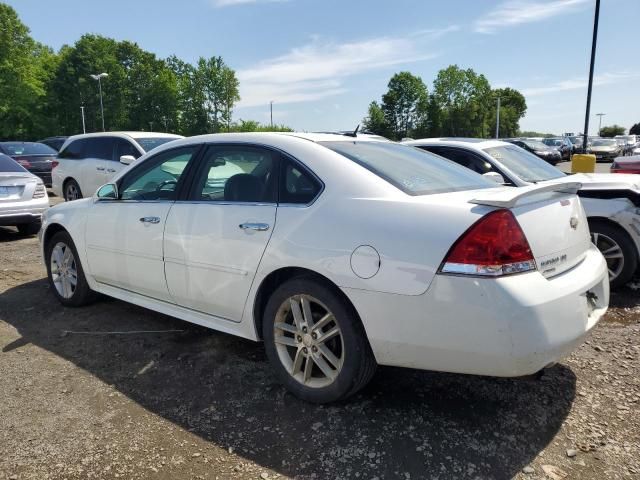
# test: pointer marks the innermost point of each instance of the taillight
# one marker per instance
(24, 162)
(40, 191)
(54, 164)
(493, 246)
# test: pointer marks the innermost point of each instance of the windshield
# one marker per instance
(535, 145)
(413, 171)
(576, 140)
(555, 142)
(27, 148)
(8, 164)
(603, 143)
(149, 143)
(524, 164)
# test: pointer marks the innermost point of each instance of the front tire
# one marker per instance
(71, 191)
(618, 250)
(315, 341)
(65, 273)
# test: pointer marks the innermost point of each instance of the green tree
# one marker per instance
(220, 88)
(254, 126)
(611, 131)
(513, 107)
(464, 100)
(635, 129)
(24, 72)
(375, 122)
(531, 133)
(405, 105)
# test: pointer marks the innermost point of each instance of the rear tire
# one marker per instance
(325, 359)
(29, 228)
(618, 249)
(71, 190)
(65, 273)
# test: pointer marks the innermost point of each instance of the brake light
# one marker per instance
(24, 162)
(54, 164)
(40, 191)
(493, 246)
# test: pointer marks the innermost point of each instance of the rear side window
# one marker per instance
(99, 147)
(296, 185)
(74, 151)
(414, 171)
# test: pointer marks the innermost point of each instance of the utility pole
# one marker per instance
(271, 109)
(600, 122)
(151, 126)
(84, 130)
(593, 59)
(498, 120)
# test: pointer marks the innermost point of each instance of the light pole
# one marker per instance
(84, 130)
(271, 110)
(594, 41)
(498, 120)
(98, 77)
(600, 122)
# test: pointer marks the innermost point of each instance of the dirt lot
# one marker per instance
(194, 403)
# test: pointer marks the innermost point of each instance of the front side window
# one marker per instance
(99, 147)
(157, 178)
(237, 174)
(414, 171)
(124, 147)
(524, 164)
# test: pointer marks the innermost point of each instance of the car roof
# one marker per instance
(472, 143)
(257, 136)
(130, 134)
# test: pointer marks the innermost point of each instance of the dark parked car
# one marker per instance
(562, 144)
(35, 157)
(54, 142)
(548, 154)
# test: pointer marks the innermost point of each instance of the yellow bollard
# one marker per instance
(583, 163)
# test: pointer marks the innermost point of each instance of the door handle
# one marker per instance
(150, 219)
(260, 227)
(111, 170)
(100, 169)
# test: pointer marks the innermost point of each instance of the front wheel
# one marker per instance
(315, 341)
(618, 250)
(65, 273)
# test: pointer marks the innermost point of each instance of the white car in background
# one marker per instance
(23, 197)
(611, 201)
(89, 160)
(340, 253)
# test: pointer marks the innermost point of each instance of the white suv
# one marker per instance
(87, 161)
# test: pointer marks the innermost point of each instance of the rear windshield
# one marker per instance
(413, 171)
(8, 164)
(27, 148)
(524, 164)
(535, 145)
(149, 143)
(604, 143)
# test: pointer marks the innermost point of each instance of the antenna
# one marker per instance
(354, 133)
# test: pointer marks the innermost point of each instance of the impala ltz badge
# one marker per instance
(574, 222)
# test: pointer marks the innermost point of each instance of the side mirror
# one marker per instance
(127, 159)
(494, 176)
(108, 191)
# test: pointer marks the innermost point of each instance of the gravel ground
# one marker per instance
(194, 403)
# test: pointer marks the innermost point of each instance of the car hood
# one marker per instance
(602, 181)
(603, 149)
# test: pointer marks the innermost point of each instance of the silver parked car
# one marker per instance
(23, 197)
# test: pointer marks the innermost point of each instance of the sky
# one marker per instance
(323, 62)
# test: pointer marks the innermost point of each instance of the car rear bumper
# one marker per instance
(23, 212)
(507, 327)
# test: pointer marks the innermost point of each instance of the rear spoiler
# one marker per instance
(508, 197)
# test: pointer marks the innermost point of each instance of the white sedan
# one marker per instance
(340, 253)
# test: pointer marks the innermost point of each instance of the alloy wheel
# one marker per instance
(72, 192)
(612, 253)
(309, 341)
(64, 273)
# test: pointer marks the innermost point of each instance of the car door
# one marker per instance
(215, 238)
(124, 237)
(98, 152)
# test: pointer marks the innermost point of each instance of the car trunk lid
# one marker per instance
(552, 219)
(14, 186)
